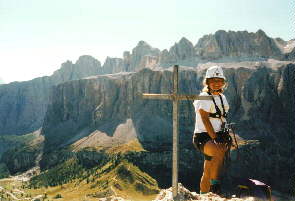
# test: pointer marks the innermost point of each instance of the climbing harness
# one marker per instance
(218, 113)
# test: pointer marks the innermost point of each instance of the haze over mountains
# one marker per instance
(89, 105)
(1, 81)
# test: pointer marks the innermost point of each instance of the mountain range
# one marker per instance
(91, 113)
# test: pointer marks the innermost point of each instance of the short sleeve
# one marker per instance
(202, 104)
(226, 105)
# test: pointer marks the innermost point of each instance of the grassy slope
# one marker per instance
(133, 145)
(74, 182)
(119, 178)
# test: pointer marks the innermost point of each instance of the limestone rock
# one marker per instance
(127, 60)
(290, 55)
(185, 195)
(149, 61)
(85, 66)
(241, 44)
(23, 105)
(285, 46)
(113, 65)
(165, 58)
(182, 53)
(139, 52)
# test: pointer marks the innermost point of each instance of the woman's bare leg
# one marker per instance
(205, 180)
(217, 152)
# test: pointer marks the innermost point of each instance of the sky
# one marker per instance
(37, 36)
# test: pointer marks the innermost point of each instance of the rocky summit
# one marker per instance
(184, 195)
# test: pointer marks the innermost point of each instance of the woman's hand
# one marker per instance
(207, 123)
(220, 144)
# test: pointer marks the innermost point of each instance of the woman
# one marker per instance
(209, 136)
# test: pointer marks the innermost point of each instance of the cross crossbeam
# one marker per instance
(175, 97)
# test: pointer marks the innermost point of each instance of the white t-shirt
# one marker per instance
(208, 106)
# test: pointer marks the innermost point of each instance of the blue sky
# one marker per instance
(36, 36)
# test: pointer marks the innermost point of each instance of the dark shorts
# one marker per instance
(200, 139)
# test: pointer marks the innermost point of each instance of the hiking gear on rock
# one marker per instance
(214, 71)
(253, 188)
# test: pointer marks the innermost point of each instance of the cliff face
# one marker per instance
(290, 55)
(260, 97)
(23, 104)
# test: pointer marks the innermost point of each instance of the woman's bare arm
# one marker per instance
(207, 123)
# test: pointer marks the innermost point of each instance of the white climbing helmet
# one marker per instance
(214, 71)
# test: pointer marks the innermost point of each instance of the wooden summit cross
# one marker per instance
(175, 97)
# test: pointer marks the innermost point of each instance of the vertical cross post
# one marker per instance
(175, 133)
(175, 97)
